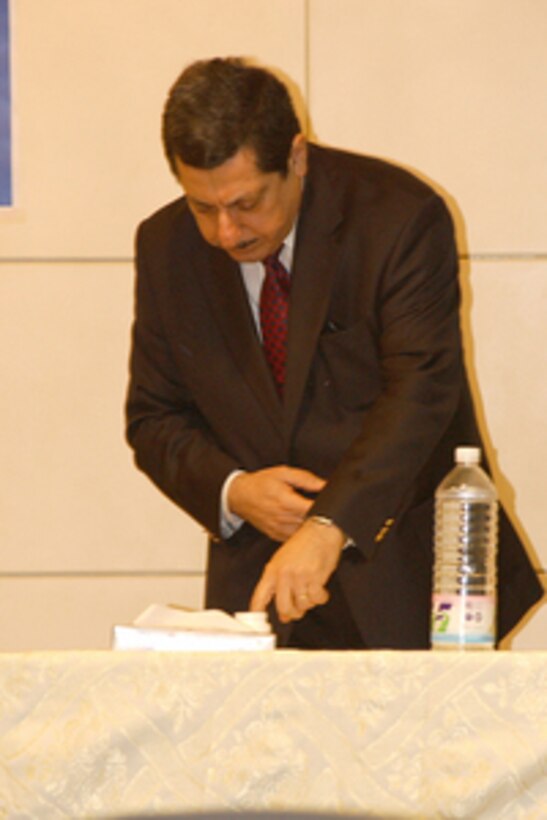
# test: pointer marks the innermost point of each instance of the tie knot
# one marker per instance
(275, 269)
(273, 257)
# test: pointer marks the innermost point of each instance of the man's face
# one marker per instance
(239, 208)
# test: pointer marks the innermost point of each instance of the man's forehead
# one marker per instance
(227, 183)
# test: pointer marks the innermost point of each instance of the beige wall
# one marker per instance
(454, 90)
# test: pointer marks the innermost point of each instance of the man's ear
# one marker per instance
(299, 155)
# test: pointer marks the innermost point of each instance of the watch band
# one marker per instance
(325, 521)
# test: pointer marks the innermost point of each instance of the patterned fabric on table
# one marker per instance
(397, 734)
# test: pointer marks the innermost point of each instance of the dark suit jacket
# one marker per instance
(376, 396)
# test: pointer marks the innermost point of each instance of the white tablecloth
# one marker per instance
(404, 734)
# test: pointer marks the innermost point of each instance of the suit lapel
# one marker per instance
(314, 266)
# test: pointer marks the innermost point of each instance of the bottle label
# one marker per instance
(460, 620)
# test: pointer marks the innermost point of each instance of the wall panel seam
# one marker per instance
(500, 256)
(159, 573)
(66, 260)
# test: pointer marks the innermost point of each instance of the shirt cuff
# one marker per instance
(229, 521)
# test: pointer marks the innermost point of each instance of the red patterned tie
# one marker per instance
(274, 312)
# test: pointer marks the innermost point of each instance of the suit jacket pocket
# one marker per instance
(349, 366)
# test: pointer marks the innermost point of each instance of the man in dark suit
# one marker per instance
(314, 473)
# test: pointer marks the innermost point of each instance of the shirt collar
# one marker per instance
(287, 250)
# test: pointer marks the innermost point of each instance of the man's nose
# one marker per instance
(228, 231)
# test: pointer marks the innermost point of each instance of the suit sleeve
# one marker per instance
(422, 373)
(170, 438)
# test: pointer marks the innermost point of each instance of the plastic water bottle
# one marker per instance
(465, 565)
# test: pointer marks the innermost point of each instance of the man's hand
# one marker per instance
(270, 500)
(297, 574)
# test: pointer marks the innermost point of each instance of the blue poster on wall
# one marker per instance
(6, 194)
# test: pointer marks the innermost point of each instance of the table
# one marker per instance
(398, 734)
